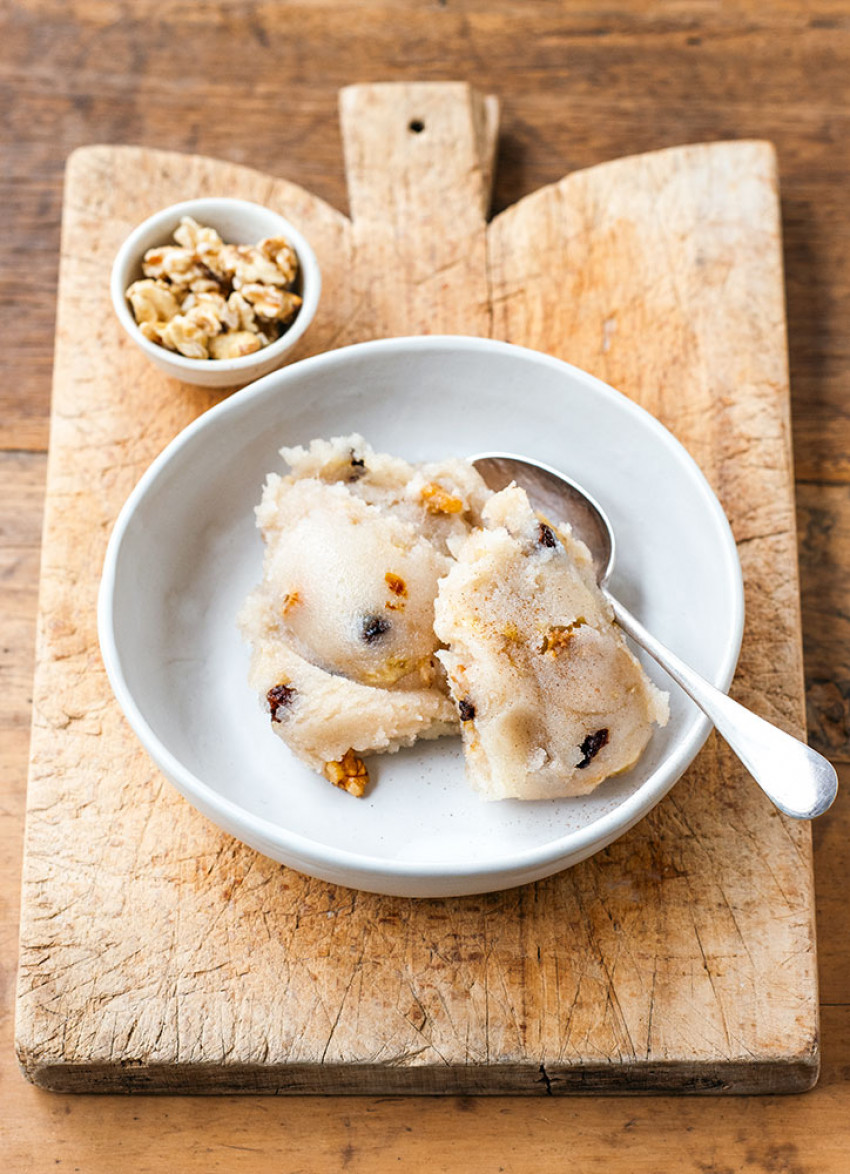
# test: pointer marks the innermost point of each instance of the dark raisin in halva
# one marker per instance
(372, 628)
(358, 467)
(546, 536)
(466, 709)
(279, 697)
(591, 746)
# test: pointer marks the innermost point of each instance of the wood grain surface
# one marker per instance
(680, 958)
(633, 78)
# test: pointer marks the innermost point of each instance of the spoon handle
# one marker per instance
(799, 780)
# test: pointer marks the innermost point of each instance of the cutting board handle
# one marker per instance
(419, 161)
(427, 147)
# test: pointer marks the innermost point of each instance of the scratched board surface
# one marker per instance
(158, 953)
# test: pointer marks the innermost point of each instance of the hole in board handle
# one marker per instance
(416, 126)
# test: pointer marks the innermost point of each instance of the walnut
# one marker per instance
(395, 583)
(241, 313)
(350, 774)
(207, 311)
(221, 263)
(556, 639)
(205, 285)
(392, 669)
(398, 588)
(210, 300)
(438, 500)
(197, 237)
(170, 263)
(559, 636)
(152, 301)
(290, 600)
(283, 255)
(152, 331)
(183, 335)
(270, 302)
(244, 264)
(196, 298)
(234, 344)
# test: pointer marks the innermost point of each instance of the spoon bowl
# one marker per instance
(559, 498)
(799, 781)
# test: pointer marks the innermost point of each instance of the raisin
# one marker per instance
(591, 746)
(279, 697)
(466, 709)
(372, 628)
(358, 467)
(546, 536)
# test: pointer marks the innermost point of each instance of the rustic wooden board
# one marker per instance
(159, 954)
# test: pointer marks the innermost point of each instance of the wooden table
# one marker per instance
(257, 84)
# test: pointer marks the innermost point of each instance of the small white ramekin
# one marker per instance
(236, 222)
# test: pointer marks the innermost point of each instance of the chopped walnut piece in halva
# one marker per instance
(438, 500)
(349, 773)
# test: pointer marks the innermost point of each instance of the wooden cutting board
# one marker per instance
(158, 953)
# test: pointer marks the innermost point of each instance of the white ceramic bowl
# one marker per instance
(236, 222)
(185, 552)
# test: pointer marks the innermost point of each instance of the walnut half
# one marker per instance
(234, 344)
(350, 774)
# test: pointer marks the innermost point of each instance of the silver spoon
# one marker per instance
(799, 780)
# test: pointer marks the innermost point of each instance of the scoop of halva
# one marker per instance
(550, 698)
(403, 601)
(342, 624)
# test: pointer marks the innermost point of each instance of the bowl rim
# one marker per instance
(129, 253)
(540, 860)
